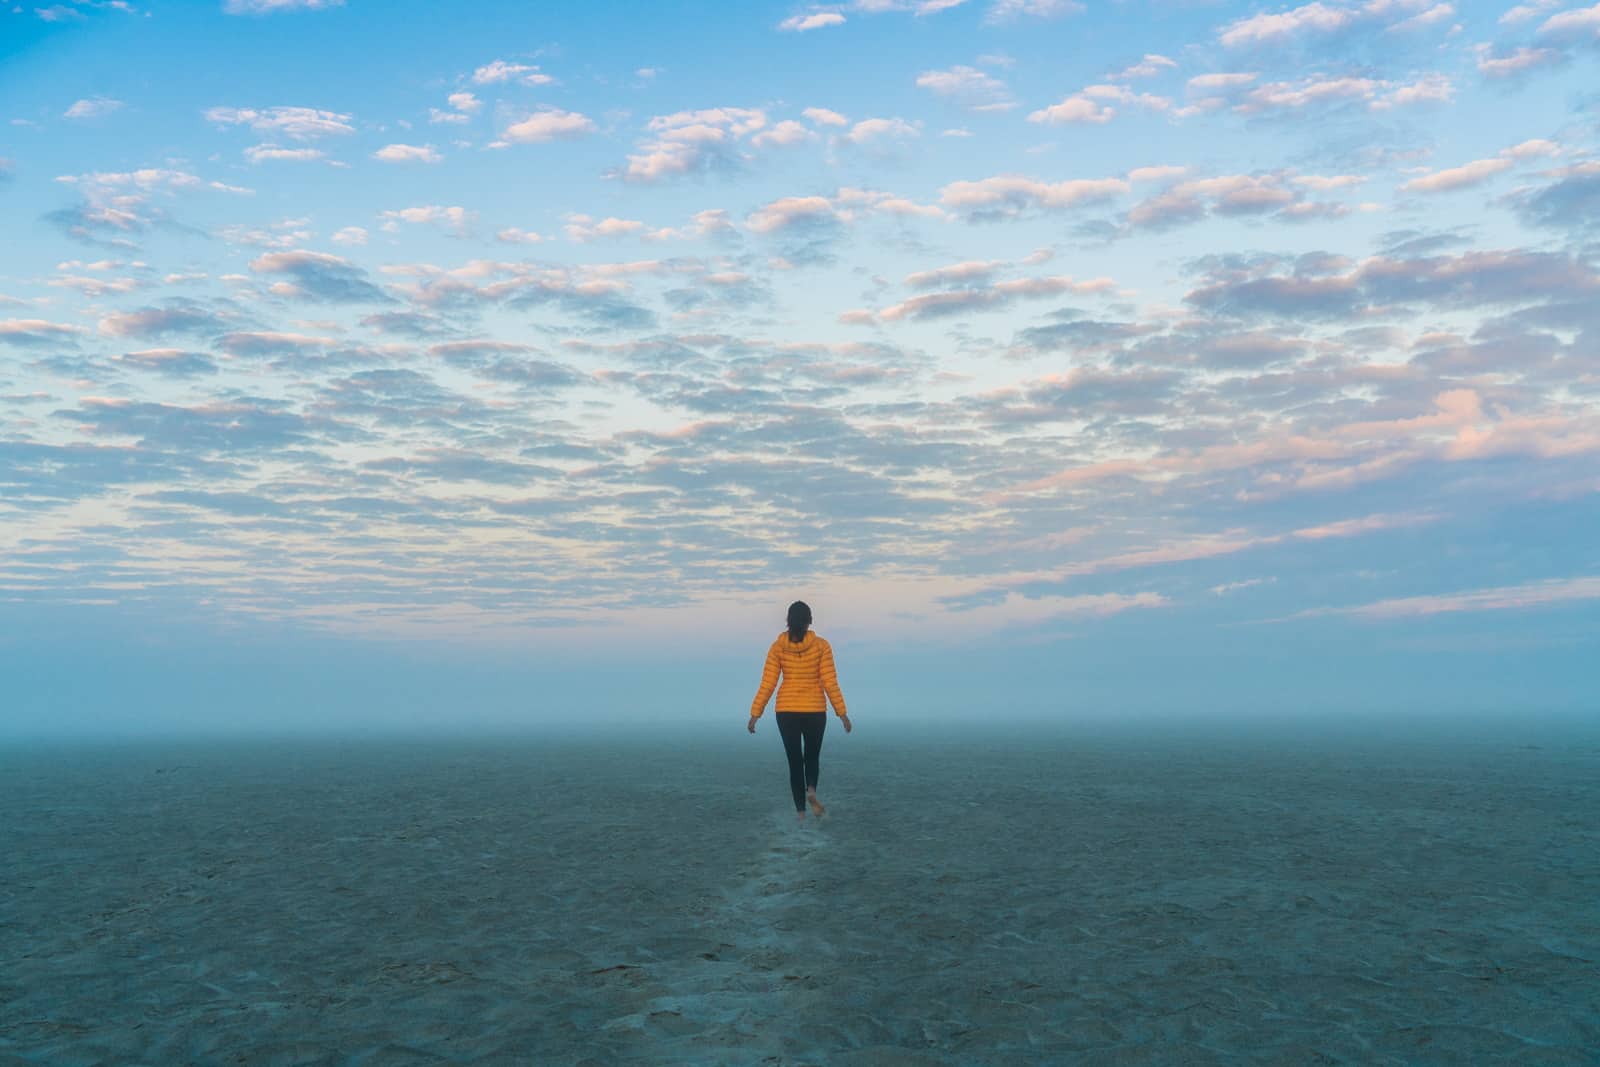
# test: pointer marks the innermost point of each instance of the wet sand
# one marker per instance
(1121, 898)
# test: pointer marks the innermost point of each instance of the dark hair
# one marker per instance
(799, 619)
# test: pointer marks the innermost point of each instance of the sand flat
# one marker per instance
(1118, 899)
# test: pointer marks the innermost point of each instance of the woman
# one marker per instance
(806, 663)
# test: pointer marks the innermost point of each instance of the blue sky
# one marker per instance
(426, 362)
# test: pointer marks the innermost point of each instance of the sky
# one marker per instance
(369, 364)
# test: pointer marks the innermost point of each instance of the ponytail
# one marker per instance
(799, 620)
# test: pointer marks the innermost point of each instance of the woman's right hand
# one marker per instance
(846, 720)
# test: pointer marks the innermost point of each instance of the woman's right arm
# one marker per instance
(769, 682)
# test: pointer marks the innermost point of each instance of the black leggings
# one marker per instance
(794, 725)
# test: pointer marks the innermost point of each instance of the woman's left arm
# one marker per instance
(830, 682)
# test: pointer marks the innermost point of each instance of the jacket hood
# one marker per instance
(804, 643)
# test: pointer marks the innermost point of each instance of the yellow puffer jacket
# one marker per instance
(807, 669)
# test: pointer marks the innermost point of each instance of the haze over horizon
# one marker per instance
(410, 364)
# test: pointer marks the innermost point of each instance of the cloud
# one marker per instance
(94, 286)
(1075, 108)
(267, 153)
(319, 276)
(1571, 202)
(176, 317)
(456, 218)
(33, 332)
(1234, 587)
(822, 116)
(1519, 61)
(1475, 278)
(688, 142)
(1229, 195)
(499, 72)
(1148, 67)
(548, 124)
(792, 212)
(407, 153)
(1012, 196)
(1222, 81)
(1581, 25)
(581, 229)
(1525, 597)
(1462, 177)
(296, 123)
(213, 426)
(1007, 10)
(1321, 19)
(509, 363)
(1366, 524)
(286, 233)
(787, 132)
(95, 108)
(1092, 105)
(116, 204)
(1315, 91)
(1524, 12)
(255, 343)
(986, 297)
(873, 131)
(801, 23)
(350, 235)
(976, 89)
(171, 362)
(149, 179)
(971, 271)
(269, 7)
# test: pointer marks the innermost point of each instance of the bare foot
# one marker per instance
(816, 805)
(800, 817)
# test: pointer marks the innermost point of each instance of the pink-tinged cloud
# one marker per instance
(269, 153)
(802, 23)
(685, 142)
(1520, 61)
(871, 131)
(822, 116)
(407, 153)
(1463, 177)
(269, 7)
(791, 211)
(1149, 67)
(955, 274)
(1319, 18)
(1077, 108)
(1007, 10)
(1011, 194)
(999, 294)
(1580, 25)
(299, 123)
(549, 124)
(1523, 597)
(34, 331)
(1267, 28)
(787, 132)
(499, 72)
(1367, 524)
(94, 108)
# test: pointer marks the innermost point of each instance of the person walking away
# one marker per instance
(804, 660)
